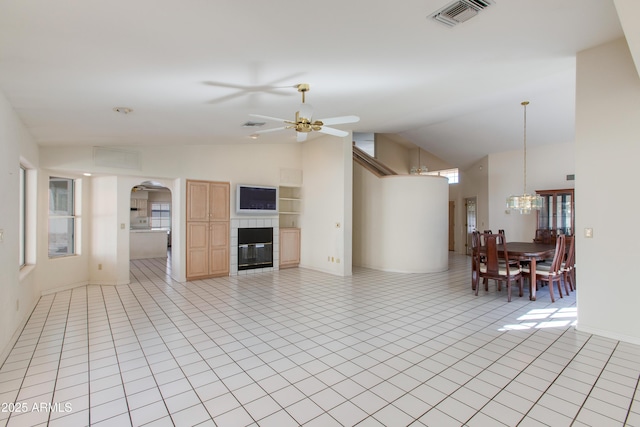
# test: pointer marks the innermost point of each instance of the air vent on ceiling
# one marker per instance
(460, 11)
(251, 124)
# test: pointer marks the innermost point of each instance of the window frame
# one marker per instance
(22, 232)
(69, 214)
(165, 222)
(448, 173)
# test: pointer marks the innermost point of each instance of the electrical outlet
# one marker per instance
(1, 236)
(99, 266)
(588, 233)
(337, 260)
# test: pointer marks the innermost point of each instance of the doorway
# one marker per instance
(471, 208)
(452, 225)
(150, 221)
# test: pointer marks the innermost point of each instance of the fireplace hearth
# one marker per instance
(255, 248)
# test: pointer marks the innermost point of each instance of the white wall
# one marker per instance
(104, 232)
(400, 222)
(547, 169)
(18, 289)
(607, 153)
(326, 222)
(391, 154)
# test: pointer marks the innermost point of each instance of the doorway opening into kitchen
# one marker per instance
(151, 221)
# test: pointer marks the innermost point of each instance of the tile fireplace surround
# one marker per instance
(254, 222)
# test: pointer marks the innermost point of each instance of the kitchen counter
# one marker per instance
(146, 243)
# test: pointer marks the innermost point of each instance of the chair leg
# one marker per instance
(566, 282)
(572, 279)
(508, 290)
(521, 286)
(551, 292)
(557, 280)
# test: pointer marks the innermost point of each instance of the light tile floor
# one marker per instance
(299, 347)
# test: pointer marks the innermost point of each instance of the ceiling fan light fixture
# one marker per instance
(305, 112)
(304, 123)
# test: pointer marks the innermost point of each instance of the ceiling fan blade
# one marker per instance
(332, 131)
(271, 130)
(252, 88)
(301, 136)
(273, 119)
(340, 120)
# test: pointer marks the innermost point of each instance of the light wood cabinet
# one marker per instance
(207, 229)
(140, 207)
(289, 247)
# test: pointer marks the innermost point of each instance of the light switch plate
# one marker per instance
(1, 236)
(588, 233)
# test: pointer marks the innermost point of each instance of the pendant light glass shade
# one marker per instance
(524, 203)
(420, 169)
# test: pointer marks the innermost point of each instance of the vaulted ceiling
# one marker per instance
(192, 71)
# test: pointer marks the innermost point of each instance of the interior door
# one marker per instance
(452, 227)
(470, 204)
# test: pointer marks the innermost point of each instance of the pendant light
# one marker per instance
(524, 203)
(421, 169)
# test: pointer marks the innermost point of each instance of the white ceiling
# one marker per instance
(193, 70)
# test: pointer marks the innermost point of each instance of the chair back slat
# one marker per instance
(495, 249)
(558, 257)
(571, 253)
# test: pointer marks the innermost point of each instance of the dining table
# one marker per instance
(531, 252)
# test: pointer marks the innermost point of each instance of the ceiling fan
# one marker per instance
(304, 123)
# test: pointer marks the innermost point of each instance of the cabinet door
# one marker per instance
(289, 247)
(219, 201)
(557, 211)
(142, 208)
(197, 201)
(197, 249)
(219, 248)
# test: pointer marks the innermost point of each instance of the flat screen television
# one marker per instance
(256, 199)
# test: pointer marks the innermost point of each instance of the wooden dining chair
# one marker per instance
(496, 265)
(551, 272)
(475, 259)
(568, 267)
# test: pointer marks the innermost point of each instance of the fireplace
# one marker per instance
(255, 248)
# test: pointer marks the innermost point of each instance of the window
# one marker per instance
(450, 174)
(365, 142)
(160, 215)
(23, 217)
(62, 218)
